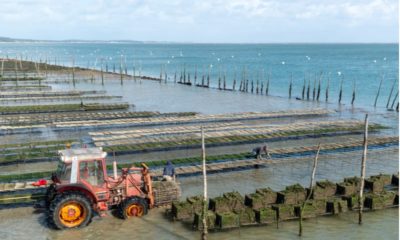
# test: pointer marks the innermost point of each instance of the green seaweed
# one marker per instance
(227, 220)
(266, 215)
(210, 220)
(380, 201)
(61, 108)
(336, 206)
(233, 139)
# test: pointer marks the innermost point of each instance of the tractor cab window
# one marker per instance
(92, 172)
(64, 171)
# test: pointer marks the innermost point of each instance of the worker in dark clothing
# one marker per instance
(169, 172)
(258, 151)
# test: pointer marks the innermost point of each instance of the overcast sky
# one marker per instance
(236, 21)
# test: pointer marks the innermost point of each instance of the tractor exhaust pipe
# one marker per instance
(115, 170)
(115, 167)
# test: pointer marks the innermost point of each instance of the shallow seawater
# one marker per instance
(24, 223)
(153, 96)
(362, 64)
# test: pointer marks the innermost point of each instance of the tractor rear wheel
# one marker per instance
(50, 194)
(133, 207)
(70, 210)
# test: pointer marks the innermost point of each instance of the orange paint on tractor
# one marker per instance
(81, 185)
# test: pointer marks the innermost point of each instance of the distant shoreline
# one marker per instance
(16, 40)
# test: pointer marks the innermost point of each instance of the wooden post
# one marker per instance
(252, 86)
(379, 90)
(120, 71)
(175, 77)
(319, 87)
(195, 75)
(2, 69)
(219, 78)
(73, 71)
(102, 74)
(125, 66)
(234, 81)
(341, 90)
(241, 87)
(134, 72)
(20, 61)
(313, 92)
(364, 159)
(262, 82)
(203, 153)
(267, 87)
(16, 71)
(304, 87)
(224, 81)
(327, 89)
(40, 61)
(161, 72)
(245, 81)
(184, 73)
(45, 66)
(308, 89)
(257, 83)
(208, 79)
(353, 97)
(390, 95)
(257, 86)
(394, 99)
(290, 85)
(311, 190)
(140, 74)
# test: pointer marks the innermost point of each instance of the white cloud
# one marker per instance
(183, 17)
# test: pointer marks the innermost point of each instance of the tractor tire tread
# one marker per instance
(52, 216)
(129, 201)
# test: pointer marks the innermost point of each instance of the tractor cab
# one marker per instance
(82, 165)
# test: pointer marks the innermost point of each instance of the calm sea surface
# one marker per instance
(359, 65)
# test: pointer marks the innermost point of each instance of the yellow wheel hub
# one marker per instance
(134, 210)
(72, 214)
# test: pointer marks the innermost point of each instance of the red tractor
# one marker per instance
(81, 188)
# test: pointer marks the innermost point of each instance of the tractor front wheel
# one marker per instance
(70, 210)
(133, 207)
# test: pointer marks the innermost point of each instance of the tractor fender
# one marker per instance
(77, 188)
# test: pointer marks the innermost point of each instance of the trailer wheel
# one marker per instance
(133, 207)
(70, 210)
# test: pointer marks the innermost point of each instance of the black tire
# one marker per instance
(131, 205)
(54, 214)
(50, 194)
